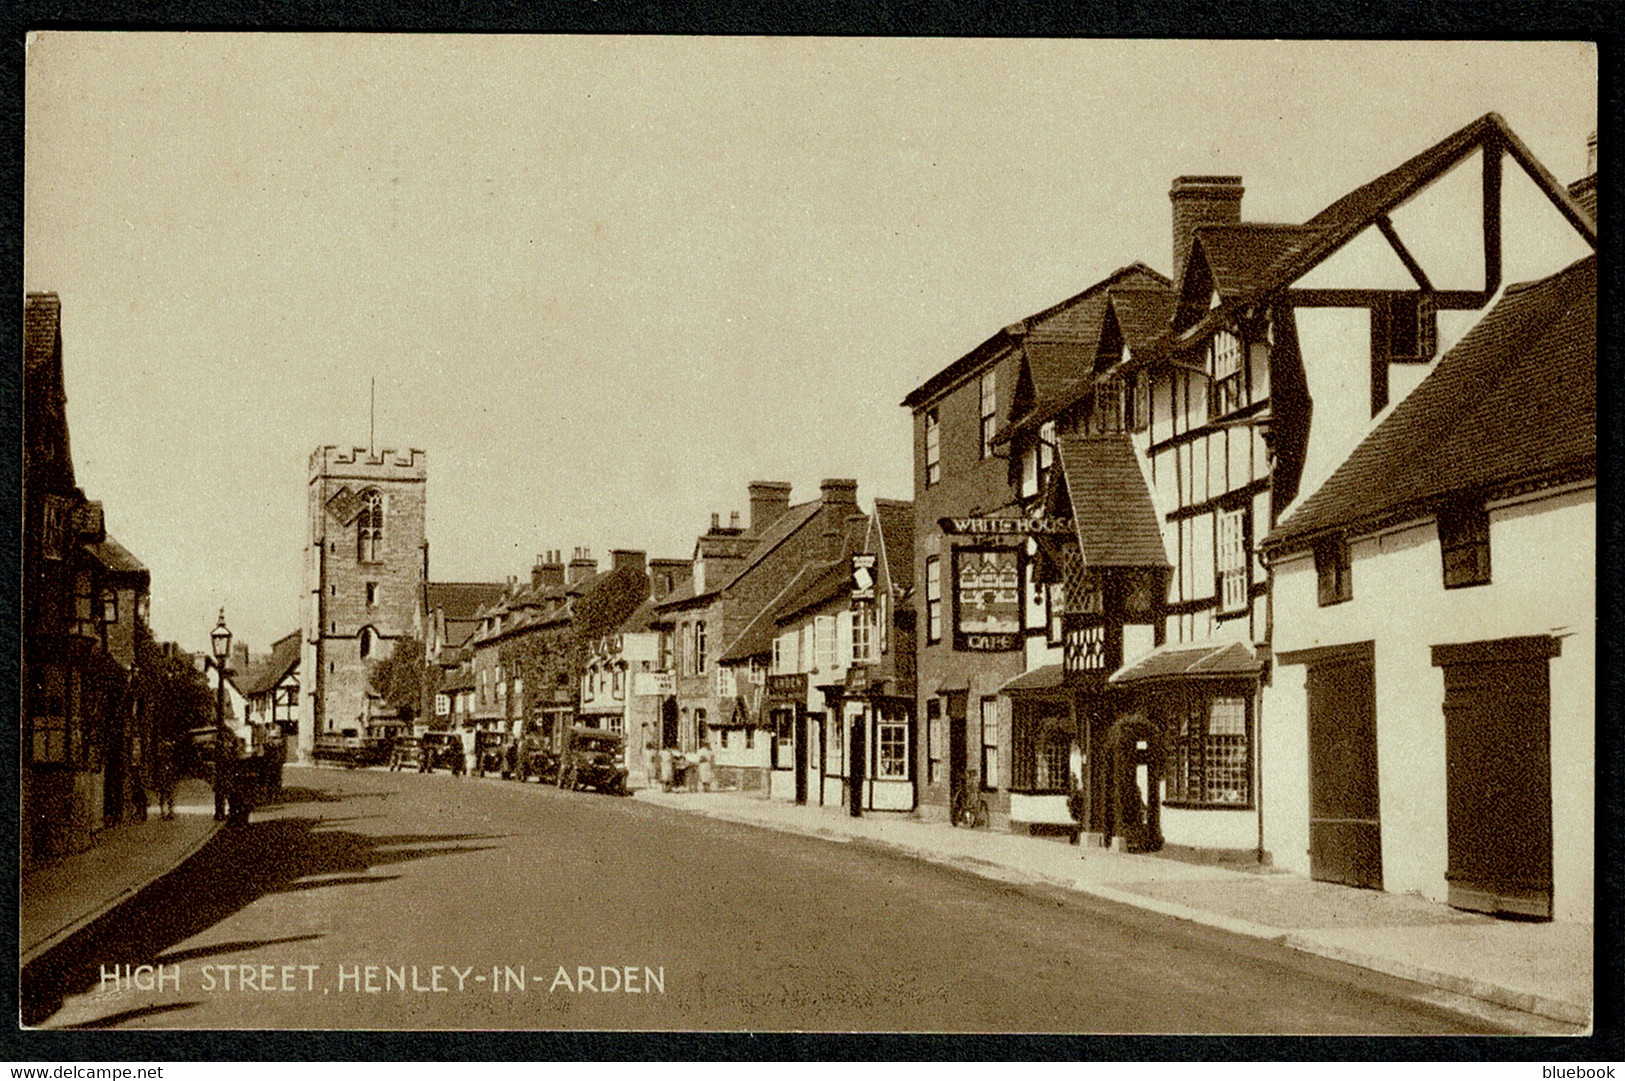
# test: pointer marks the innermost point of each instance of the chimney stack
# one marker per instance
(1201, 200)
(627, 559)
(582, 566)
(716, 521)
(666, 575)
(1591, 154)
(548, 571)
(768, 500)
(733, 519)
(838, 492)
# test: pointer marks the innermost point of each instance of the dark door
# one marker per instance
(857, 751)
(1345, 838)
(956, 749)
(801, 756)
(1498, 779)
(668, 723)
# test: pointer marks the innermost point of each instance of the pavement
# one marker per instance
(1544, 969)
(58, 900)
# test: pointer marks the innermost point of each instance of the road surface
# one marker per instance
(371, 899)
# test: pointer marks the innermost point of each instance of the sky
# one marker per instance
(606, 282)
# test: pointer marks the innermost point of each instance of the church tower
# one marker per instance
(365, 563)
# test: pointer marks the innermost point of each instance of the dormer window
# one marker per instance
(1464, 545)
(1227, 388)
(1405, 328)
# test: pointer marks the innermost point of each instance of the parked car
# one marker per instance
(593, 758)
(440, 750)
(407, 753)
(490, 753)
(352, 751)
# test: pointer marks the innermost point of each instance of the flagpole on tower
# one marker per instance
(372, 412)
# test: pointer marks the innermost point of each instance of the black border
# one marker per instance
(1511, 19)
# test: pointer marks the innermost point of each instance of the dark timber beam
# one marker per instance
(1566, 205)
(1492, 215)
(1386, 225)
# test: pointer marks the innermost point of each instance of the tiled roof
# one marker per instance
(895, 519)
(757, 637)
(827, 582)
(1075, 320)
(1190, 661)
(1051, 677)
(269, 672)
(116, 558)
(463, 600)
(1584, 191)
(1515, 400)
(1246, 257)
(1143, 314)
(1116, 521)
(47, 456)
(776, 533)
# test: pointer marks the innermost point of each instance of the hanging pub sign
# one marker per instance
(863, 577)
(1004, 527)
(987, 599)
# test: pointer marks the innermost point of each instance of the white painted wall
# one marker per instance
(1543, 567)
(1209, 828)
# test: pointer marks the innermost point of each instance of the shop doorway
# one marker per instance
(859, 750)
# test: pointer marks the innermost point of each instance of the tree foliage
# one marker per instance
(180, 694)
(398, 678)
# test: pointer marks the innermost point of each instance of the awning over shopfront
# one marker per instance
(1185, 661)
(1045, 682)
(1116, 521)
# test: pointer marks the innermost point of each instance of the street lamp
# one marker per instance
(220, 646)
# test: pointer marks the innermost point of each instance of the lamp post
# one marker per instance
(220, 646)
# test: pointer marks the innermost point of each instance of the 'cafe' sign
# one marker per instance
(1004, 527)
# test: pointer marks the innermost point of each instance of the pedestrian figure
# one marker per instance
(164, 779)
(665, 769)
(707, 769)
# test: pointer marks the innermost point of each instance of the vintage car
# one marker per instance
(407, 753)
(491, 753)
(593, 758)
(440, 750)
(352, 751)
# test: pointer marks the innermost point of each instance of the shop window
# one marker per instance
(84, 605)
(933, 740)
(1332, 581)
(933, 599)
(1464, 545)
(989, 395)
(933, 448)
(48, 706)
(892, 760)
(1040, 754)
(1210, 762)
(1227, 388)
(1234, 564)
(369, 528)
(990, 743)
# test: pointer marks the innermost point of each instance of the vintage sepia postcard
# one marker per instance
(836, 535)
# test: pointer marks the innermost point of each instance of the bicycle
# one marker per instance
(969, 809)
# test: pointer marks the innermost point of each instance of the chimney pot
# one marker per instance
(716, 520)
(733, 519)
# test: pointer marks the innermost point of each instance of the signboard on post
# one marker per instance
(654, 684)
(987, 599)
(863, 577)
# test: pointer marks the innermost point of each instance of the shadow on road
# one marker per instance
(236, 869)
